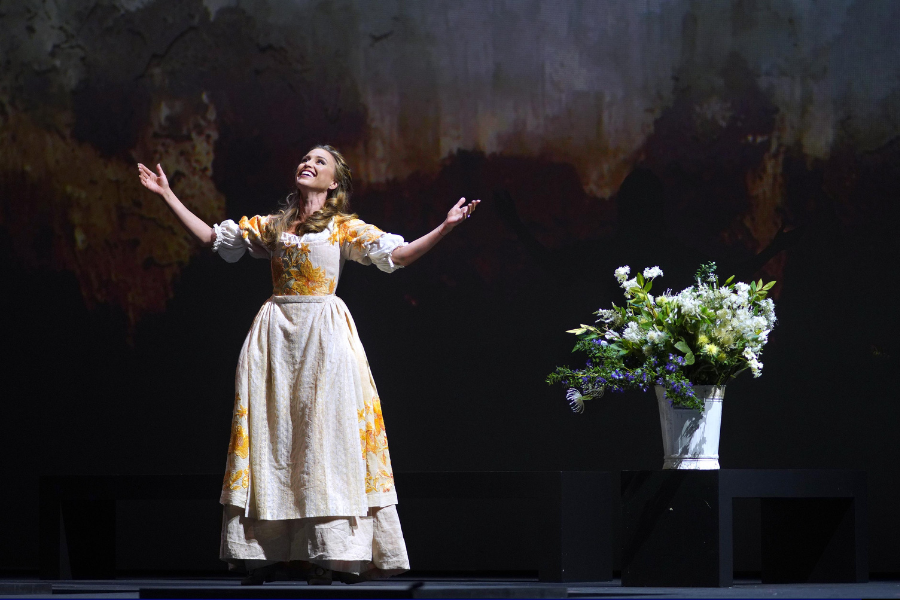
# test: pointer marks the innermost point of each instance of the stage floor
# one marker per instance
(431, 587)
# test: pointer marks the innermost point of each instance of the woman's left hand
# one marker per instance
(459, 213)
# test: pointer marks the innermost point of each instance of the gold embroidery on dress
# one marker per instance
(335, 237)
(252, 228)
(244, 224)
(240, 442)
(237, 480)
(295, 275)
(238, 446)
(356, 233)
(373, 440)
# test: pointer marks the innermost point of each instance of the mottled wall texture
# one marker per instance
(763, 134)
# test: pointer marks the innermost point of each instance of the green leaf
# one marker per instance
(768, 286)
(729, 280)
(578, 331)
(682, 345)
(640, 279)
(689, 358)
(648, 286)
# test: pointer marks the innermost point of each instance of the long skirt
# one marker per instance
(308, 475)
(360, 545)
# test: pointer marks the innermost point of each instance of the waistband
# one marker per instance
(291, 299)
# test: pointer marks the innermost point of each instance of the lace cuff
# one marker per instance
(229, 244)
(379, 251)
(233, 239)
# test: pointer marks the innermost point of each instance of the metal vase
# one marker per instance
(691, 437)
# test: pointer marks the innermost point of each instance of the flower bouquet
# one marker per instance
(704, 335)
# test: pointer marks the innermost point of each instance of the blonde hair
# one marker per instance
(337, 205)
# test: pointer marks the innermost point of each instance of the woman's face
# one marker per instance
(315, 172)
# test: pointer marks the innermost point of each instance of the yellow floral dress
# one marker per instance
(308, 473)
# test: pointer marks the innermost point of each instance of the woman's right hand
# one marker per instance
(157, 184)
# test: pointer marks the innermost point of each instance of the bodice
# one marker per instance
(306, 266)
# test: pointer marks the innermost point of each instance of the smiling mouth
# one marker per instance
(306, 174)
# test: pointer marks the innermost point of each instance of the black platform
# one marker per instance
(572, 515)
(446, 587)
(677, 526)
(572, 521)
(382, 590)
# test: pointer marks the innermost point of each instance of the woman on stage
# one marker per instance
(308, 491)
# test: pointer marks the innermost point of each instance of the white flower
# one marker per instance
(756, 367)
(688, 304)
(758, 324)
(723, 313)
(768, 310)
(576, 400)
(748, 354)
(632, 333)
(606, 316)
(726, 337)
(611, 335)
(652, 272)
(656, 337)
(622, 273)
(628, 285)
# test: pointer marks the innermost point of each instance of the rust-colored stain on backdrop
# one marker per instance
(738, 113)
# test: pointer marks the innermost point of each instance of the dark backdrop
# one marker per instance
(760, 134)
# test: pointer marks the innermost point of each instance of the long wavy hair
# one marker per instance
(337, 205)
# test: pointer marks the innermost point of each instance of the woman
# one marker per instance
(309, 490)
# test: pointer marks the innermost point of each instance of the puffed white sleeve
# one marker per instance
(233, 239)
(368, 245)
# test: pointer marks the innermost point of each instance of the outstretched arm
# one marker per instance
(159, 184)
(406, 255)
